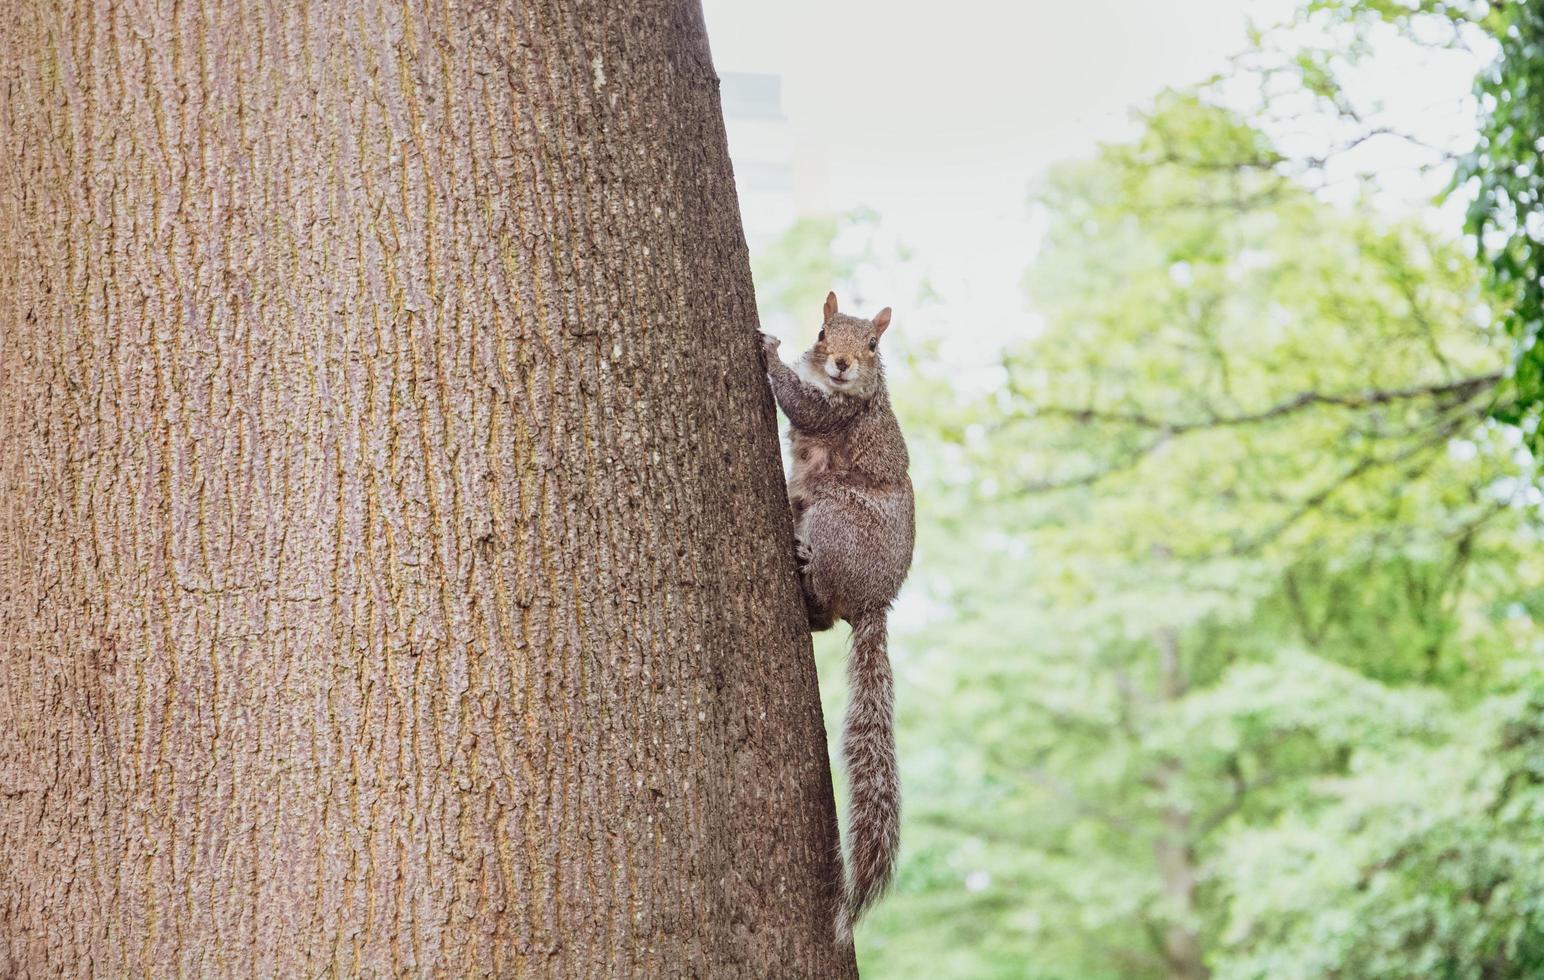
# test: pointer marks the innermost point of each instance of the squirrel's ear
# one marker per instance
(830, 305)
(882, 321)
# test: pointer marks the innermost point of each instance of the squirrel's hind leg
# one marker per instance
(819, 613)
(820, 617)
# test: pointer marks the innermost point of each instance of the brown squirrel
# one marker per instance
(854, 526)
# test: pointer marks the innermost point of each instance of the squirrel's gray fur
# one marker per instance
(854, 527)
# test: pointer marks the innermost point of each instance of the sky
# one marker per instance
(939, 116)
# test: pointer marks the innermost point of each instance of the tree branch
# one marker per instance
(1324, 493)
(1456, 391)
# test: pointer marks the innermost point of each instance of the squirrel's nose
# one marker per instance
(841, 363)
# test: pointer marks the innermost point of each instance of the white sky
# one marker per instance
(939, 115)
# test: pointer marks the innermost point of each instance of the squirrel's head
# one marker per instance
(845, 358)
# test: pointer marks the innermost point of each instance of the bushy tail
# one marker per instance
(868, 749)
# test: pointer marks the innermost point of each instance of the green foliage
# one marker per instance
(1237, 532)
(1437, 861)
(1507, 213)
(1402, 12)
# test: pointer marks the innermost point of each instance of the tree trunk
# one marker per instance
(395, 575)
(1173, 851)
(1175, 860)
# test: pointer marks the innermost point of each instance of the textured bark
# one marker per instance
(395, 574)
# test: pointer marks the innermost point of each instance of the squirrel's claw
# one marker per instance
(802, 554)
(769, 344)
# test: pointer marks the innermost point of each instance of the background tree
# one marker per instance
(395, 575)
(1506, 216)
(1228, 655)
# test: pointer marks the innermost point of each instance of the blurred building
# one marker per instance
(761, 146)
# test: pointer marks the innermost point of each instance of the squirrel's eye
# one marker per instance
(874, 344)
(822, 335)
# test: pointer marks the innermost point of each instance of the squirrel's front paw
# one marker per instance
(769, 345)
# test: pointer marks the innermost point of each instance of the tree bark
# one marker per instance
(395, 574)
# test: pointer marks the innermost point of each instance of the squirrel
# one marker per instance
(854, 527)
